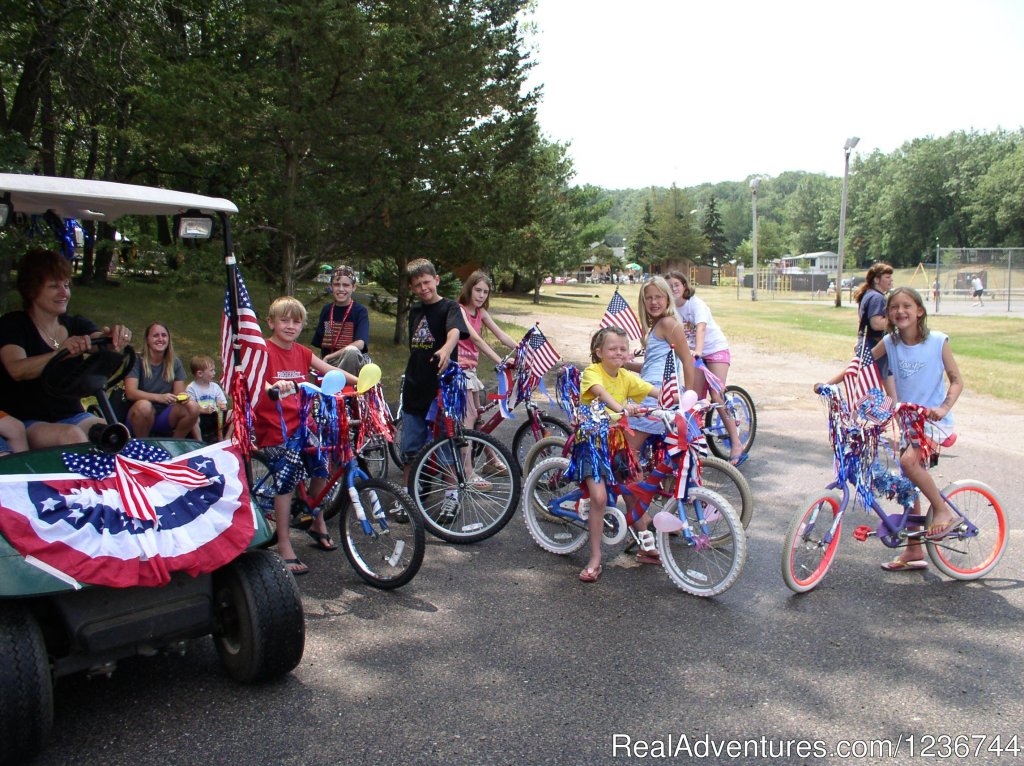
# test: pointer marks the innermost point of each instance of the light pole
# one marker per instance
(847, 148)
(754, 183)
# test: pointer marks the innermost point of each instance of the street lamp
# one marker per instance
(847, 148)
(754, 183)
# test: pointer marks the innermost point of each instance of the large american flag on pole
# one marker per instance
(669, 382)
(250, 340)
(619, 314)
(540, 354)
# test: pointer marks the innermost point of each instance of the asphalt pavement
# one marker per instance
(496, 654)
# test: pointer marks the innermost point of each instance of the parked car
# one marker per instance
(67, 607)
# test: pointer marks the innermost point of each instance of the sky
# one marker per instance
(655, 92)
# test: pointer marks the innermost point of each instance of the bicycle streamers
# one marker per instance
(374, 418)
(894, 485)
(567, 389)
(453, 392)
(590, 454)
(912, 419)
(243, 436)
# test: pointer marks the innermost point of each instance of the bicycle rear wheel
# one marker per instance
(386, 549)
(546, 485)
(466, 511)
(811, 543)
(741, 405)
(395, 445)
(373, 458)
(711, 561)
(723, 477)
(525, 438)
(968, 558)
(549, 446)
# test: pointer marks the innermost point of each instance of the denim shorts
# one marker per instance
(415, 433)
(72, 420)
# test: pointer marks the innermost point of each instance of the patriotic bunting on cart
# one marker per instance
(191, 513)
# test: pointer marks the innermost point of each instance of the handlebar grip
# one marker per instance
(274, 394)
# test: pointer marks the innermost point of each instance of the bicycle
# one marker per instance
(739, 404)
(381, 529)
(446, 477)
(704, 559)
(970, 551)
(717, 474)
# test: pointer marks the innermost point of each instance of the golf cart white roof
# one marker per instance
(101, 200)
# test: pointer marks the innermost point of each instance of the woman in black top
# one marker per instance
(30, 338)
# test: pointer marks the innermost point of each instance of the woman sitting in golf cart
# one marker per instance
(30, 338)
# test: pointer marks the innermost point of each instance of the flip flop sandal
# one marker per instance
(899, 565)
(300, 569)
(591, 575)
(648, 557)
(322, 541)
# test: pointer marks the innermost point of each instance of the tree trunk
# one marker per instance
(104, 252)
(402, 305)
(536, 289)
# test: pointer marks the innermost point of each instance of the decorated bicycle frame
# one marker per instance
(684, 448)
(856, 445)
(325, 429)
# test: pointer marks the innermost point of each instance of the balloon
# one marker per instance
(332, 383)
(369, 376)
(667, 522)
(687, 400)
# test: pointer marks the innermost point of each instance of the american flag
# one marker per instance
(540, 354)
(619, 314)
(250, 338)
(861, 376)
(669, 382)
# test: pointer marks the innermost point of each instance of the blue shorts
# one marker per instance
(290, 466)
(415, 433)
(162, 423)
(72, 420)
(4, 446)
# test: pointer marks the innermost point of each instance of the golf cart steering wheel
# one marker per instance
(98, 369)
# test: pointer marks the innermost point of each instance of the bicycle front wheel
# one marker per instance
(964, 557)
(723, 477)
(460, 504)
(386, 548)
(708, 560)
(547, 489)
(525, 437)
(741, 405)
(811, 541)
(549, 446)
(261, 492)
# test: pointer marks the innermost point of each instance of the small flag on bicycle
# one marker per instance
(250, 339)
(861, 375)
(714, 382)
(669, 383)
(619, 314)
(540, 354)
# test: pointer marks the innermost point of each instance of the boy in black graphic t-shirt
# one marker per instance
(435, 328)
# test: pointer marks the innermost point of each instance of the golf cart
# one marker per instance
(118, 547)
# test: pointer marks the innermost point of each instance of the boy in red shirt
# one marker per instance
(288, 364)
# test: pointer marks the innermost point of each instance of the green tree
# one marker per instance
(711, 228)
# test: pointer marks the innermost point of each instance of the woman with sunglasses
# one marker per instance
(343, 330)
(707, 342)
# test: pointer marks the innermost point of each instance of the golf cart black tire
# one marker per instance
(260, 629)
(26, 687)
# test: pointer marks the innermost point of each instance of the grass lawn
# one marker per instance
(989, 349)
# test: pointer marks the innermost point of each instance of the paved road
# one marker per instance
(496, 654)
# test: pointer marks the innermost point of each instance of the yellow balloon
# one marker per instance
(369, 376)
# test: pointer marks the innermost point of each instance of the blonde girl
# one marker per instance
(707, 342)
(474, 300)
(154, 386)
(607, 381)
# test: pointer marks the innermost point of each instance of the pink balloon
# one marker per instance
(687, 400)
(667, 522)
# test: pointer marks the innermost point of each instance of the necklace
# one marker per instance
(54, 341)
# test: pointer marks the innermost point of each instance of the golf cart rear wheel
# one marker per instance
(26, 688)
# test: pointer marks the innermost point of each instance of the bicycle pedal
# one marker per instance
(303, 521)
(863, 532)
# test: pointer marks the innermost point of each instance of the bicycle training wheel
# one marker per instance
(811, 541)
(709, 561)
(481, 503)
(547, 489)
(525, 437)
(386, 549)
(549, 446)
(961, 555)
(741, 405)
(723, 477)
